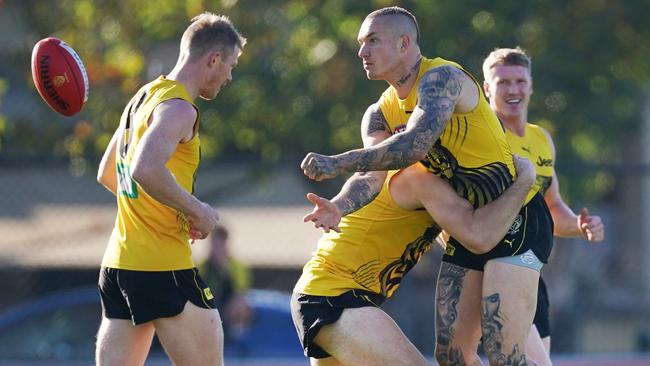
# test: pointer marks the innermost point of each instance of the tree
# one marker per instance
(300, 87)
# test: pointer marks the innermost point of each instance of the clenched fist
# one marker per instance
(319, 167)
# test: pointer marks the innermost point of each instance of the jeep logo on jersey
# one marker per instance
(544, 162)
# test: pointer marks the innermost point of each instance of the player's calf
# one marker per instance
(458, 327)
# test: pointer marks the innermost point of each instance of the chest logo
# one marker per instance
(400, 128)
(544, 162)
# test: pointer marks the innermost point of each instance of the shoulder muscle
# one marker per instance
(177, 117)
(447, 87)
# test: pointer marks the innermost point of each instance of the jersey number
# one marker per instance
(127, 186)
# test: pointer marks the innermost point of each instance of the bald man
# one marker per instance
(435, 112)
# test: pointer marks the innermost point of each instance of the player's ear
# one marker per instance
(486, 89)
(405, 42)
(213, 58)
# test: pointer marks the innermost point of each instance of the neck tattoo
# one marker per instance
(405, 78)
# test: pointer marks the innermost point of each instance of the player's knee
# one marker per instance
(447, 355)
(107, 357)
(453, 355)
(496, 355)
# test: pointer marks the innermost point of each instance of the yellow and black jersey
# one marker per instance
(536, 147)
(377, 246)
(472, 153)
(148, 235)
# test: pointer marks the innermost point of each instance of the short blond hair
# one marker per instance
(506, 56)
(209, 32)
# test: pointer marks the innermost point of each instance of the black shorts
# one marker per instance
(532, 229)
(542, 318)
(310, 313)
(144, 296)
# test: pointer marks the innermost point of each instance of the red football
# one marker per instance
(60, 76)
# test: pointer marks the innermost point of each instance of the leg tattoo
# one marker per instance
(492, 323)
(450, 284)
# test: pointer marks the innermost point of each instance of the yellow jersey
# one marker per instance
(377, 246)
(536, 147)
(148, 235)
(472, 153)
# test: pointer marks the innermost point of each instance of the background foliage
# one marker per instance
(300, 86)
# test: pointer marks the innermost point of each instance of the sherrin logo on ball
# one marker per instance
(60, 79)
(60, 76)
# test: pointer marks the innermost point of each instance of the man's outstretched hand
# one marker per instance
(325, 214)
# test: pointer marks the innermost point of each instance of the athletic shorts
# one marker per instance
(531, 230)
(310, 313)
(542, 318)
(145, 296)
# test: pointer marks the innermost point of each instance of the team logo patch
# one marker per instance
(516, 225)
(450, 250)
(207, 293)
(527, 258)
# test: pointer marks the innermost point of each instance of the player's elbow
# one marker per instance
(101, 179)
(104, 175)
(142, 174)
(418, 154)
(478, 241)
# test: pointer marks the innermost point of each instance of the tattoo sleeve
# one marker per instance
(450, 285)
(373, 122)
(358, 191)
(362, 188)
(492, 324)
(438, 92)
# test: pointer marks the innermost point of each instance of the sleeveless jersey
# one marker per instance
(472, 153)
(377, 246)
(148, 235)
(536, 147)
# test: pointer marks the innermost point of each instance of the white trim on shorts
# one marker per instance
(526, 259)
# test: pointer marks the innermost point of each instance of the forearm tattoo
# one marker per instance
(492, 324)
(361, 189)
(357, 192)
(438, 92)
(450, 285)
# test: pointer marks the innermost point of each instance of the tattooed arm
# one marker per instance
(359, 189)
(441, 91)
